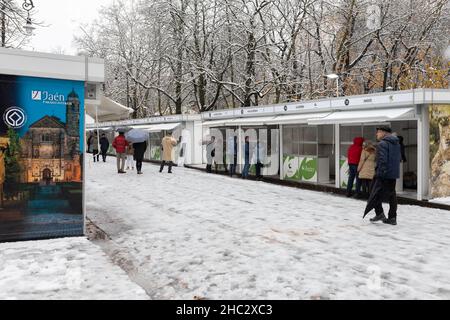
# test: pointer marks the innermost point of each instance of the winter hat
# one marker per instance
(385, 129)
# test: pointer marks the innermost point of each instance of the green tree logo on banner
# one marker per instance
(308, 168)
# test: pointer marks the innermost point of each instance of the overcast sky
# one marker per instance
(63, 18)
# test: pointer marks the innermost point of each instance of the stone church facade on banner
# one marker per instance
(50, 150)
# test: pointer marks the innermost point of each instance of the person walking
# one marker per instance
(366, 167)
(353, 156)
(387, 171)
(232, 148)
(130, 157)
(104, 146)
(139, 151)
(246, 158)
(120, 144)
(259, 158)
(167, 144)
(89, 142)
(210, 153)
(95, 145)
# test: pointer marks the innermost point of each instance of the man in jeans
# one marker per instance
(120, 144)
(387, 172)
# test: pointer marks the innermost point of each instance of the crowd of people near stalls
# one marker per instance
(253, 153)
(130, 155)
(375, 168)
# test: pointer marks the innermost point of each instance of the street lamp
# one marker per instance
(334, 76)
(28, 5)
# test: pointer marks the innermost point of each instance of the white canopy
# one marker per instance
(216, 123)
(298, 118)
(361, 116)
(89, 120)
(258, 121)
(158, 127)
(107, 110)
(163, 127)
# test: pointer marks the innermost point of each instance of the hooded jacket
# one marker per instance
(366, 167)
(355, 150)
(120, 144)
(388, 158)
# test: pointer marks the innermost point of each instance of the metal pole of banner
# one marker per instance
(98, 134)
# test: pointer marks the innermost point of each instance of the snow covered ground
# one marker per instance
(62, 269)
(445, 200)
(192, 235)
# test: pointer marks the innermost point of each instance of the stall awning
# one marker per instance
(99, 129)
(361, 116)
(298, 118)
(216, 123)
(258, 121)
(163, 127)
(107, 110)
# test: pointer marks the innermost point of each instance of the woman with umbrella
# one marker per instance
(139, 140)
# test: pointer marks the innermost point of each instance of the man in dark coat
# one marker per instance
(104, 146)
(387, 172)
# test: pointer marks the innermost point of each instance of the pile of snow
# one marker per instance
(194, 234)
(442, 200)
(71, 268)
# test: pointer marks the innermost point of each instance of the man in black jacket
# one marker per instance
(387, 172)
(104, 146)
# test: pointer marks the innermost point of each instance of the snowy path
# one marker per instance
(192, 234)
(61, 269)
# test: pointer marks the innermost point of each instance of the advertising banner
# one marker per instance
(155, 153)
(300, 168)
(440, 151)
(41, 158)
(344, 172)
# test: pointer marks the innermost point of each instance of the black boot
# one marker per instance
(379, 217)
(391, 221)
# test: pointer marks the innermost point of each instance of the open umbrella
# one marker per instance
(122, 129)
(136, 136)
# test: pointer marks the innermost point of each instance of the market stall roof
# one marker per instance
(107, 110)
(248, 121)
(164, 127)
(158, 127)
(298, 118)
(216, 123)
(99, 129)
(89, 120)
(359, 116)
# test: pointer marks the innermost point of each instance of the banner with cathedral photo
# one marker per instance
(41, 158)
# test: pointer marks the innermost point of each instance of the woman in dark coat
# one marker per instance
(104, 146)
(139, 150)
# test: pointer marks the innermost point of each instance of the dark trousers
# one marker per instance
(245, 170)
(366, 186)
(259, 165)
(352, 174)
(139, 165)
(96, 154)
(232, 170)
(385, 190)
(170, 163)
(104, 155)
